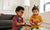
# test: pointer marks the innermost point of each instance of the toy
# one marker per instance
(36, 22)
(19, 28)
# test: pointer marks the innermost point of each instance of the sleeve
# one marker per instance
(41, 20)
(14, 21)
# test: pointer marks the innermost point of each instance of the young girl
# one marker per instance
(35, 19)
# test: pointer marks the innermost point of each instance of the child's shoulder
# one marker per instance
(35, 16)
(14, 17)
(39, 16)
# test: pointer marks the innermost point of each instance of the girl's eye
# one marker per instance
(22, 12)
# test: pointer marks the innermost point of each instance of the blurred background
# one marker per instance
(7, 11)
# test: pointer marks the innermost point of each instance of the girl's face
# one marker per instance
(19, 13)
(35, 12)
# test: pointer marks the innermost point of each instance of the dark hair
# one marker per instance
(19, 8)
(35, 7)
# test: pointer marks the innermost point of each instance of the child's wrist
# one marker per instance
(38, 23)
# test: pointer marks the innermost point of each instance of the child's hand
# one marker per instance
(32, 23)
(38, 23)
(23, 23)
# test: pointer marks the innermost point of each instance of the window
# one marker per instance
(0, 4)
(47, 6)
(7, 4)
(44, 6)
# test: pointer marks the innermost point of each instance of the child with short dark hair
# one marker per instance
(18, 20)
(35, 19)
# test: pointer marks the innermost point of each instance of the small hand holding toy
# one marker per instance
(36, 22)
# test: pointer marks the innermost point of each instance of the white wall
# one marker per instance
(41, 6)
(8, 11)
(28, 9)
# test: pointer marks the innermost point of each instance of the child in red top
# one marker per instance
(18, 20)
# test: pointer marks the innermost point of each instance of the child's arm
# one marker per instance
(31, 21)
(41, 21)
(19, 24)
(16, 23)
(22, 23)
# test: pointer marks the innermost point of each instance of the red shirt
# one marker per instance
(15, 20)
